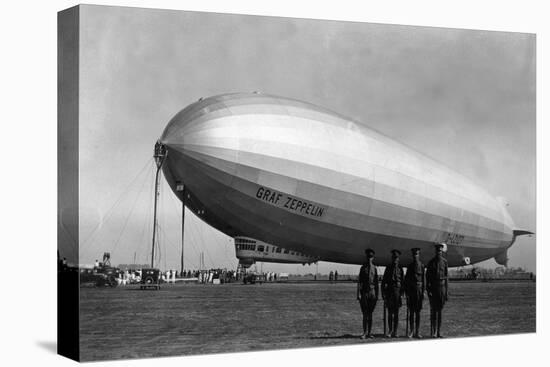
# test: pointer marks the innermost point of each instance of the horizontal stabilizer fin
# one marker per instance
(521, 232)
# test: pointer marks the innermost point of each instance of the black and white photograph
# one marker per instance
(237, 183)
(274, 184)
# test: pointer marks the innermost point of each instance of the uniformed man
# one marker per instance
(367, 292)
(414, 288)
(437, 287)
(392, 290)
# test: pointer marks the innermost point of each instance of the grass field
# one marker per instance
(125, 322)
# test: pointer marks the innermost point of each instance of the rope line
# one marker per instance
(110, 211)
(128, 216)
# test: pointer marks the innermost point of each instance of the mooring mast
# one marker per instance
(160, 155)
(180, 187)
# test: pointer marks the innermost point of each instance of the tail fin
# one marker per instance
(502, 258)
(521, 232)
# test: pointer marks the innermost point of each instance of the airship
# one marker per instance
(291, 175)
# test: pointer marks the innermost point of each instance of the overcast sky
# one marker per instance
(465, 98)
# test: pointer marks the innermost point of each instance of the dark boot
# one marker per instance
(395, 324)
(369, 327)
(417, 325)
(411, 323)
(364, 327)
(432, 323)
(390, 323)
(439, 325)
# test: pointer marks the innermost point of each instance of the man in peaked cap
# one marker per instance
(367, 292)
(437, 287)
(414, 288)
(392, 290)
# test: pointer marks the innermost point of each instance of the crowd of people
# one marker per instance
(225, 276)
(133, 276)
(215, 276)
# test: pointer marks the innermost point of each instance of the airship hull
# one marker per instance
(301, 177)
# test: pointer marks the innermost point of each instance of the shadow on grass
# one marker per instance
(343, 336)
(377, 337)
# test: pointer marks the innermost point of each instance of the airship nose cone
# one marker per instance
(186, 127)
(174, 133)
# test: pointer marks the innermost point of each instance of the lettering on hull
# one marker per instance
(454, 239)
(290, 203)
